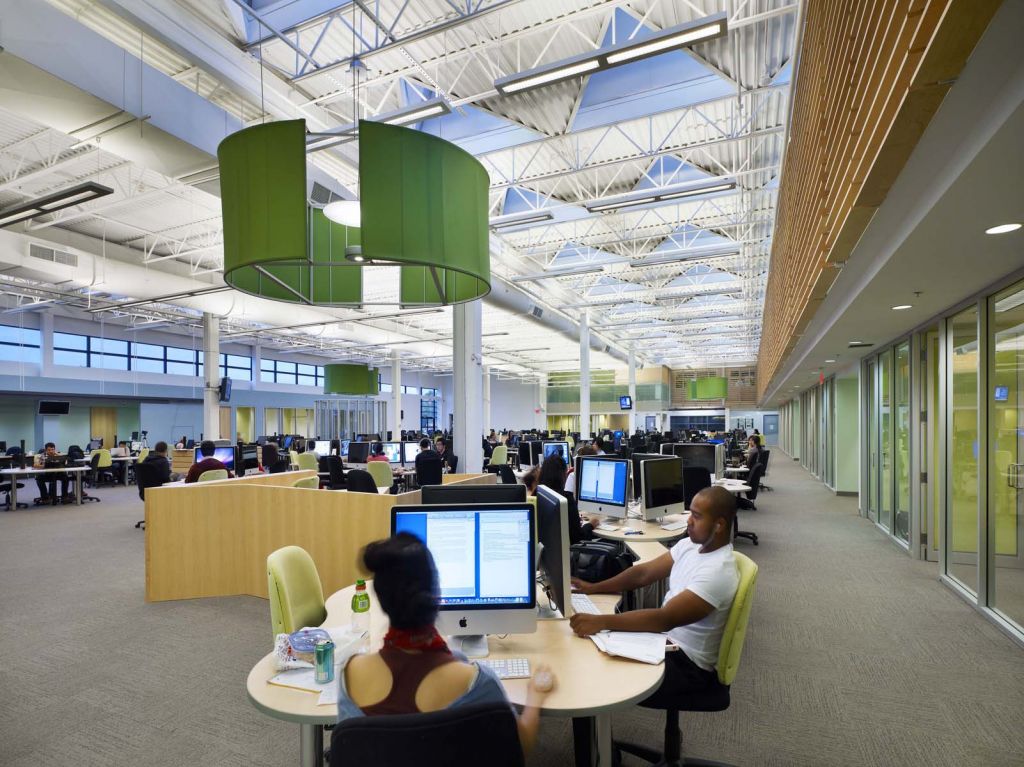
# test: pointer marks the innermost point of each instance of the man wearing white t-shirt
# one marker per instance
(702, 583)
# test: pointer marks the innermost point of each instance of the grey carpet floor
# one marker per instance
(856, 654)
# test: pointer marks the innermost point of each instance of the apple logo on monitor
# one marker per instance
(462, 623)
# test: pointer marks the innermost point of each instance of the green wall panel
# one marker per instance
(351, 379)
(713, 387)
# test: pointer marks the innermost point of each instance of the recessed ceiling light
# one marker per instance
(901, 307)
(829, 360)
(1002, 229)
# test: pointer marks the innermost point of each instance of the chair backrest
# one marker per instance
(695, 479)
(337, 469)
(359, 481)
(307, 461)
(429, 469)
(104, 462)
(453, 464)
(75, 452)
(213, 475)
(381, 473)
(754, 480)
(296, 595)
(94, 461)
(312, 483)
(293, 457)
(145, 477)
(279, 466)
(500, 456)
(451, 737)
(508, 477)
(765, 455)
(735, 630)
(142, 455)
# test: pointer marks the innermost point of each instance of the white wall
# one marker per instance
(757, 415)
(512, 405)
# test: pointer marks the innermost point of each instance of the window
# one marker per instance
(428, 415)
(19, 344)
(431, 392)
(236, 367)
(410, 390)
(283, 372)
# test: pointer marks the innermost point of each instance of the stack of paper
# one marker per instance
(636, 645)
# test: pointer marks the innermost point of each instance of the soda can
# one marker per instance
(324, 658)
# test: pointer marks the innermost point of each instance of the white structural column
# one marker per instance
(468, 404)
(488, 425)
(584, 375)
(395, 417)
(211, 376)
(632, 390)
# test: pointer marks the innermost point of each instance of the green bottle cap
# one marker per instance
(360, 583)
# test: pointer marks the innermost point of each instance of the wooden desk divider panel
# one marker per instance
(212, 539)
(182, 460)
(469, 479)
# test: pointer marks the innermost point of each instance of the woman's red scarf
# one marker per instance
(424, 639)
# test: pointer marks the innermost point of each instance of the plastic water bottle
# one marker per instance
(361, 612)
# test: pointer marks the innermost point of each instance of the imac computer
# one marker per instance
(636, 458)
(358, 452)
(603, 485)
(250, 457)
(226, 455)
(393, 450)
(440, 494)
(704, 454)
(409, 452)
(553, 537)
(322, 447)
(530, 452)
(485, 567)
(661, 487)
(558, 448)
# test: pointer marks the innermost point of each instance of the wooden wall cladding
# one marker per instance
(871, 75)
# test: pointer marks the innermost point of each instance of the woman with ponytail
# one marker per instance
(415, 672)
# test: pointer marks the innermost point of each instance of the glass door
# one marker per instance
(1005, 404)
(901, 451)
(872, 441)
(930, 443)
(885, 440)
(962, 450)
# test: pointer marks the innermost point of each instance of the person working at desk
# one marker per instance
(753, 453)
(273, 462)
(377, 453)
(442, 450)
(702, 584)
(552, 476)
(157, 458)
(209, 463)
(47, 483)
(570, 480)
(415, 672)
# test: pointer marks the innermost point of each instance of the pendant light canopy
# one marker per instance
(423, 208)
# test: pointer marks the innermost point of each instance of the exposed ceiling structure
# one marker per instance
(698, 132)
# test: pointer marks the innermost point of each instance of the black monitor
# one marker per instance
(249, 457)
(448, 494)
(358, 452)
(530, 452)
(557, 448)
(636, 458)
(699, 454)
(661, 487)
(553, 537)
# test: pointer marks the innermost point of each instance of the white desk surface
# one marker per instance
(29, 470)
(735, 470)
(588, 681)
(733, 485)
(646, 551)
(652, 531)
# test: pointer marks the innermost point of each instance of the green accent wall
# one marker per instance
(713, 387)
(351, 379)
(847, 436)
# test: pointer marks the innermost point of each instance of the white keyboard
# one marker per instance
(609, 528)
(508, 668)
(674, 525)
(581, 603)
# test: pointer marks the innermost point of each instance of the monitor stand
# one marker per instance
(473, 645)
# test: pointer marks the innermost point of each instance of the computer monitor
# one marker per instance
(343, 449)
(617, 440)
(322, 447)
(393, 450)
(603, 484)
(135, 446)
(661, 487)
(409, 452)
(94, 444)
(250, 457)
(226, 455)
(484, 555)
(703, 454)
(449, 494)
(635, 473)
(530, 452)
(287, 443)
(553, 537)
(358, 452)
(558, 448)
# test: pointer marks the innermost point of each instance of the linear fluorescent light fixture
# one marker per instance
(660, 196)
(566, 272)
(682, 255)
(507, 222)
(701, 30)
(413, 113)
(76, 195)
(160, 299)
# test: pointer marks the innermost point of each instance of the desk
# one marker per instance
(589, 683)
(652, 531)
(15, 474)
(735, 470)
(733, 485)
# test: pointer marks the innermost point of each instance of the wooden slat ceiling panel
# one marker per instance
(871, 75)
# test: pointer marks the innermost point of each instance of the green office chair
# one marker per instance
(381, 473)
(293, 458)
(715, 698)
(307, 461)
(500, 456)
(213, 475)
(143, 454)
(296, 595)
(313, 483)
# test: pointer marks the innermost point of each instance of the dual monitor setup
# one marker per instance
(484, 540)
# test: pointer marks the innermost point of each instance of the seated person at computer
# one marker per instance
(441, 446)
(702, 583)
(570, 480)
(273, 461)
(181, 443)
(552, 476)
(118, 468)
(426, 456)
(530, 479)
(415, 672)
(209, 463)
(47, 483)
(157, 458)
(753, 454)
(377, 453)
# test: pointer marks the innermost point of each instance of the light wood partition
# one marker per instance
(212, 538)
(182, 460)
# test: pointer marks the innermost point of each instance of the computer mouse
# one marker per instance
(543, 681)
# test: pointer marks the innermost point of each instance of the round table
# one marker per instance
(734, 485)
(735, 470)
(589, 683)
(650, 531)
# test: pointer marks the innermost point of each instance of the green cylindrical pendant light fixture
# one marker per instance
(423, 206)
(351, 379)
